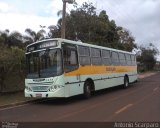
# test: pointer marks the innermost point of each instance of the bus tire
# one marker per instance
(126, 82)
(87, 90)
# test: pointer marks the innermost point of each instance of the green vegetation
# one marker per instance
(83, 23)
(147, 58)
(12, 68)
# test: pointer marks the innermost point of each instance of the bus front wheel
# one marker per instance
(87, 90)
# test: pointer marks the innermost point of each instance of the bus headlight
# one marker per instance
(54, 87)
(28, 89)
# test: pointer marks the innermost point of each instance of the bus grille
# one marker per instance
(40, 88)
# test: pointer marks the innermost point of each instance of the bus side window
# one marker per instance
(70, 58)
(115, 58)
(122, 58)
(84, 55)
(106, 57)
(96, 56)
(133, 58)
(128, 59)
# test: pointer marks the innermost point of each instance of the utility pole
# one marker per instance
(64, 17)
(63, 20)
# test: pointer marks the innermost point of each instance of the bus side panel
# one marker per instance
(102, 76)
(108, 80)
(133, 77)
(73, 86)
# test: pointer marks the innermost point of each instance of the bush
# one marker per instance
(12, 65)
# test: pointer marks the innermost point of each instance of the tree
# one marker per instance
(147, 57)
(79, 24)
(11, 39)
(54, 31)
(4, 37)
(126, 40)
(11, 60)
(33, 36)
(84, 24)
(16, 39)
(11, 56)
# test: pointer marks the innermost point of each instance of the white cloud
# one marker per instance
(4, 7)
(57, 5)
(20, 22)
(54, 6)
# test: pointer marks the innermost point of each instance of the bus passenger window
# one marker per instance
(128, 59)
(122, 58)
(106, 58)
(84, 55)
(115, 58)
(133, 59)
(70, 59)
(96, 56)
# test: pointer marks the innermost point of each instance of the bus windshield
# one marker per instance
(42, 64)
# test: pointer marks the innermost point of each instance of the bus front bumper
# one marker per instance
(57, 93)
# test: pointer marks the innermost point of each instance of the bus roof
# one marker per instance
(81, 44)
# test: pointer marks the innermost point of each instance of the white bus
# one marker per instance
(64, 68)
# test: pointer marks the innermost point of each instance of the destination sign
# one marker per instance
(42, 45)
(48, 44)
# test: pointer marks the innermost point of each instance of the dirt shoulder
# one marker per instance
(146, 74)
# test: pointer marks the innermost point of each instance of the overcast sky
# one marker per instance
(140, 17)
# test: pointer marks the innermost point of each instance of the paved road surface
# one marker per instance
(140, 102)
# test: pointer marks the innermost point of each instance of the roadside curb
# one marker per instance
(19, 103)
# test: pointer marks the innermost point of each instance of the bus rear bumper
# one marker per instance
(58, 93)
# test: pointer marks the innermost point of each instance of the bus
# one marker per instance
(64, 68)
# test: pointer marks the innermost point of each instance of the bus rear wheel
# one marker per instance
(87, 90)
(126, 82)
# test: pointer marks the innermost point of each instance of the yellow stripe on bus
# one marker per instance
(88, 70)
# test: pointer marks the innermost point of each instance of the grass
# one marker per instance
(11, 98)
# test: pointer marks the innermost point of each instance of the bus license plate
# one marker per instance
(38, 95)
